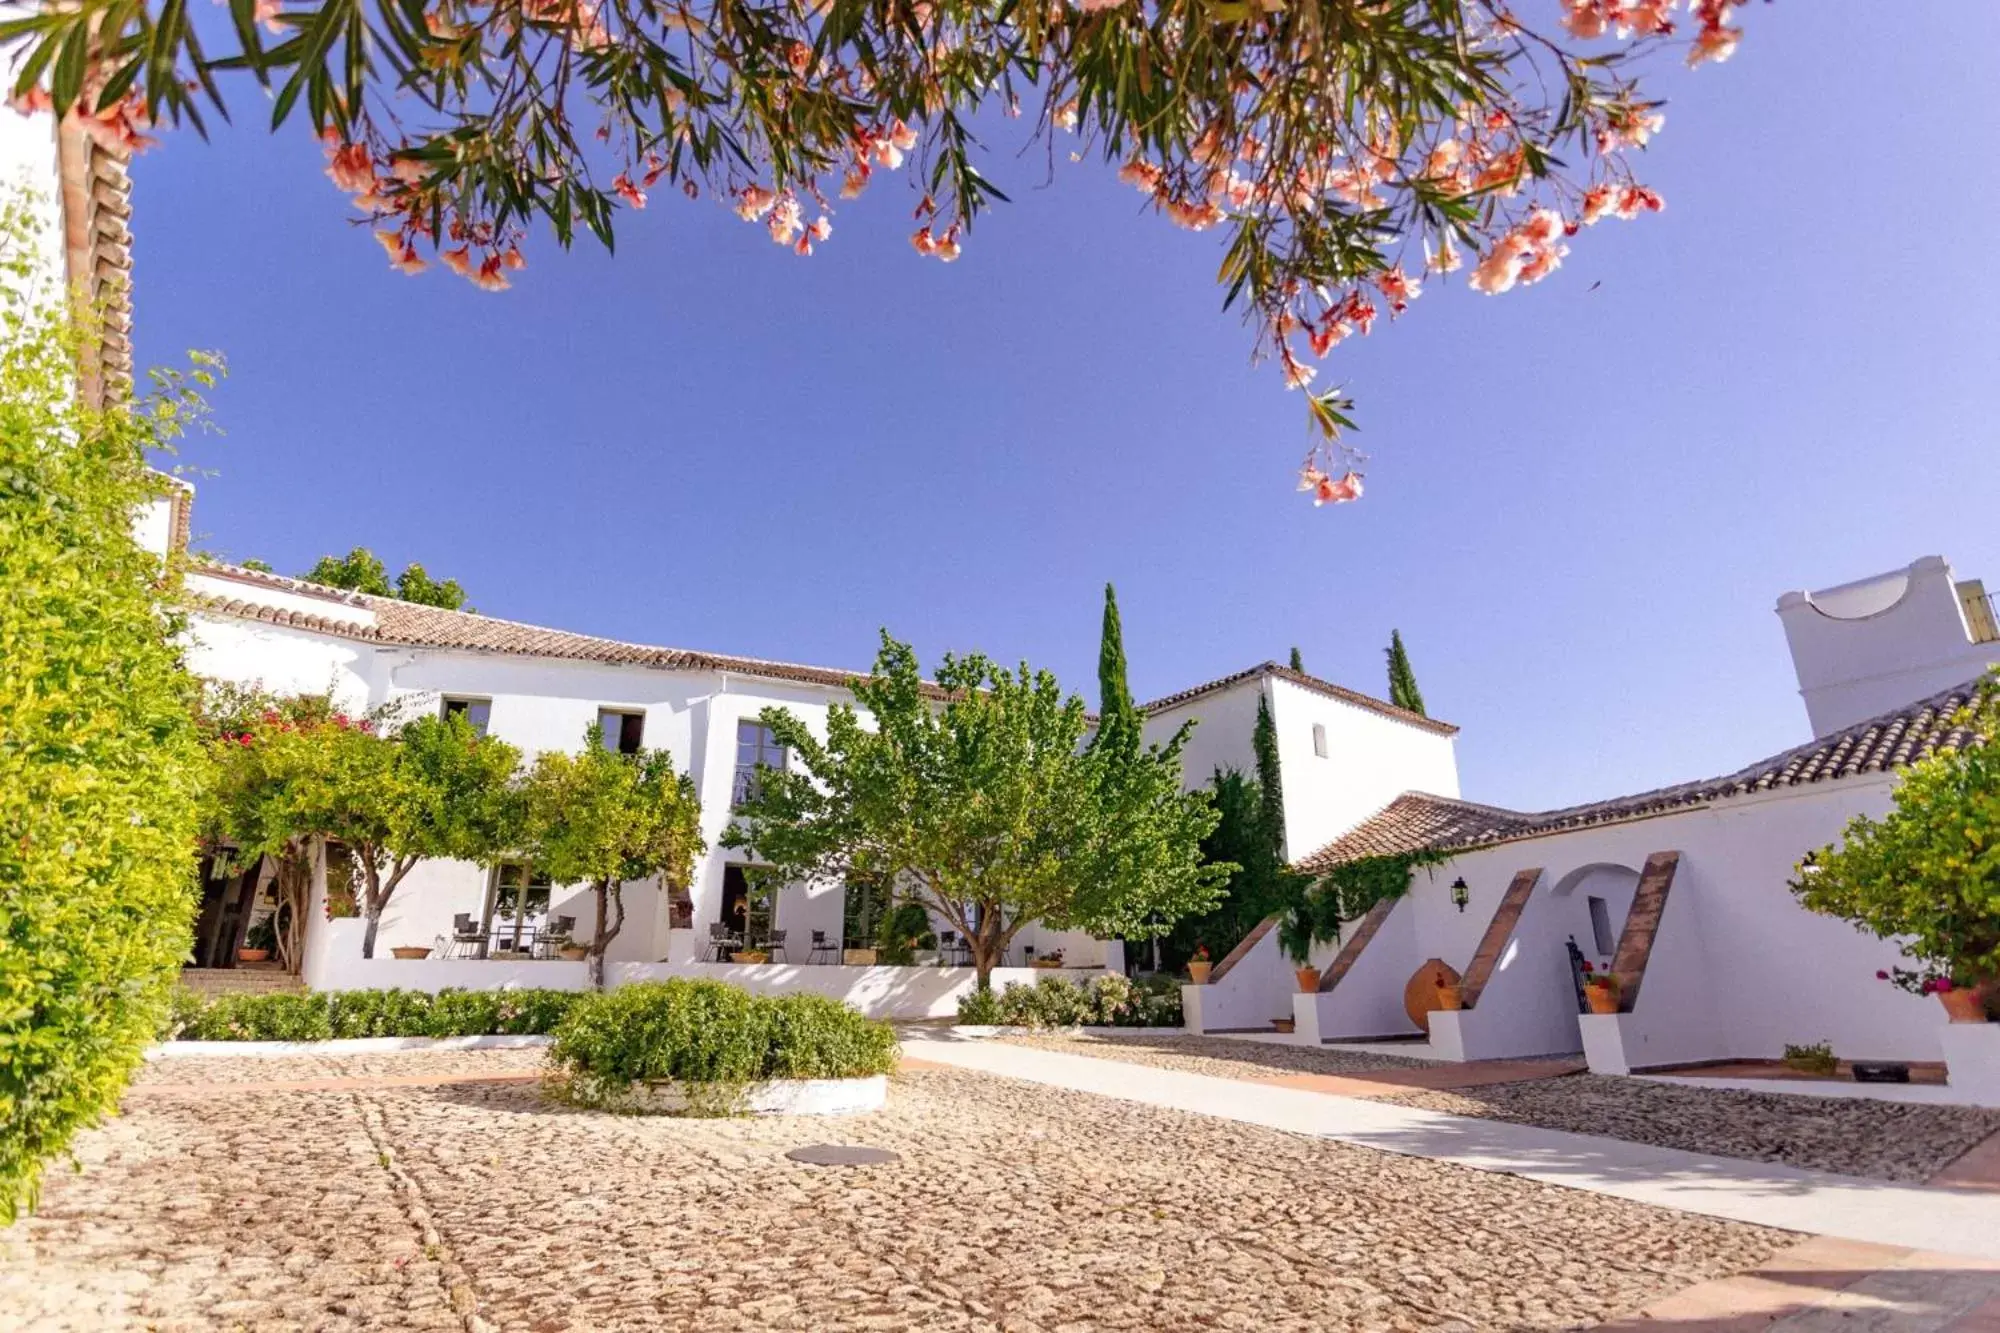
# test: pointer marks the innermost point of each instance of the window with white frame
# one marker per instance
(624, 729)
(1319, 739)
(477, 712)
(756, 749)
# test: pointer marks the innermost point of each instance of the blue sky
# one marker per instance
(1582, 504)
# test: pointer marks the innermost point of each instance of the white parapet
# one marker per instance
(1604, 1043)
(1972, 1061)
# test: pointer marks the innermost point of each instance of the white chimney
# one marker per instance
(1864, 648)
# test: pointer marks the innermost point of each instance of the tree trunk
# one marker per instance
(610, 903)
(373, 914)
(372, 899)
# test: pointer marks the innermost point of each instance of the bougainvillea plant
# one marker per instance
(1348, 151)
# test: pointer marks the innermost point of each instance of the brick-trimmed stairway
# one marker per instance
(249, 980)
(1642, 925)
(1498, 931)
(1370, 922)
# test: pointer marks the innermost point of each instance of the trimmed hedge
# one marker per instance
(1111, 1000)
(100, 768)
(711, 1040)
(323, 1015)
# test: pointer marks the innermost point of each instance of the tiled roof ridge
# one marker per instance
(1304, 681)
(400, 621)
(1884, 743)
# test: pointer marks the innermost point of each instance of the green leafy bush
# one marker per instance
(100, 769)
(1112, 1000)
(711, 1040)
(905, 930)
(366, 1013)
(1817, 1058)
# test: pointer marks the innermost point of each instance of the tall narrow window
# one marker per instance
(756, 748)
(475, 711)
(1319, 739)
(624, 732)
(1600, 926)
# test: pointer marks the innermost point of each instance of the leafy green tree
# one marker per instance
(303, 773)
(1403, 691)
(1298, 661)
(101, 770)
(1260, 885)
(1343, 150)
(1927, 874)
(361, 570)
(602, 818)
(985, 806)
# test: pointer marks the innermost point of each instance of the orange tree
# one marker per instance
(1343, 148)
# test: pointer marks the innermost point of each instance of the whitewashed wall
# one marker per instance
(1738, 968)
(28, 162)
(1224, 722)
(1370, 761)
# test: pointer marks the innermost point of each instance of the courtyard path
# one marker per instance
(1951, 1221)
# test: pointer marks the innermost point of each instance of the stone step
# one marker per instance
(249, 979)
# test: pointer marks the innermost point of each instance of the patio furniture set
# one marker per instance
(509, 939)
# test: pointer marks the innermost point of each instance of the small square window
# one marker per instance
(624, 732)
(1600, 926)
(475, 711)
(1319, 739)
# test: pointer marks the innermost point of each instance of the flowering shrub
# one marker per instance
(711, 1040)
(100, 769)
(1351, 154)
(1112, 1000)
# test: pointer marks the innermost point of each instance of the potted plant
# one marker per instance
(411, 952)
(1600, 990)
(572, 952)
(259, 941)
(1313, 918)
(1199, 966)
(1052, 959)
(1964, 1001)
(750, 956)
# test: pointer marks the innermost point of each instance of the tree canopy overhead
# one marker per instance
(1345, 149)
(361, 570)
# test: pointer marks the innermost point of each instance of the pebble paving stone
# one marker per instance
(1014, 1207)
(1220, 1056)
(1899, 1141)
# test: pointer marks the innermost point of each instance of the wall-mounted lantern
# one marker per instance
(1460, 894)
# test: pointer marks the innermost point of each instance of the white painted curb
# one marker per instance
(980, 1031)
(174, 1050)
(788, 1096)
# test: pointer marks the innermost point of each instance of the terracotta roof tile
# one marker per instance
(1881, 744)
(400, 622)
(1301, 679)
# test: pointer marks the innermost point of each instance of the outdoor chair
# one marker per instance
(559, 933)
(822, 945)
(466, 938)
(722, 941)
(776, 945)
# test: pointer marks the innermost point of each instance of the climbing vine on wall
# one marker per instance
(1354, 887)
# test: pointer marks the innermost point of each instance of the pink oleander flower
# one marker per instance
(458, 259)
(1399, 288)
(1141, 175)
(1066, 115)
(1716, 43)
(786, 221)
(924, 242)
(266, 13)
(490, 278)
(1446, 260)
(753, 202)
(1297, 373)
(1337, 491)
(349, 165)
(402, 254)
(627, 191)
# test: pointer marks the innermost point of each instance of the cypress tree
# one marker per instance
(1403, 691)
(1270, 785)
(1115, 711)
(1298, 662)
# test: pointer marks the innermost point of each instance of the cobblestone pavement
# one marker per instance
(1015, 1207)
(1222, 1057)
(1886, 1140)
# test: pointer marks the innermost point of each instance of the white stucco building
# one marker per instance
(1681, 893)
(1343, 754)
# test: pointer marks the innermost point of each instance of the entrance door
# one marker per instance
(749, 905)
(225, 913)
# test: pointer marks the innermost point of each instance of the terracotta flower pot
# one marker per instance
(1602, 999)
(1285, 1024)
(252, 955)
(750, 956)
(1451, 996)
(1966, 1004)
(1308, 979)
(1198, 972)
(574, 952)
(409, 952)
